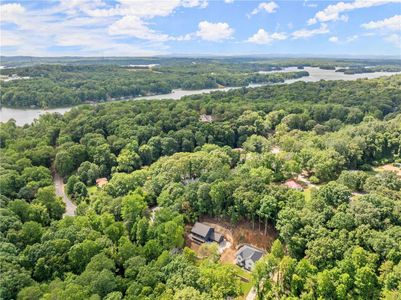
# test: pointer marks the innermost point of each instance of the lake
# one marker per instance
(27, 116)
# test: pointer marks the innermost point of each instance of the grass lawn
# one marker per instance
(308, 195)
(245, 286)
(92, 190)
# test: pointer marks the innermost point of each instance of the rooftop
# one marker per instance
(206, 118)
(291, 183)
(201, 229)
(100, 182)
(249, 252)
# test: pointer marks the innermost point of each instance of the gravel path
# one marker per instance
(70, 207)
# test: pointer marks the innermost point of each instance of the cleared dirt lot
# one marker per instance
(237, 234)
(389, 167)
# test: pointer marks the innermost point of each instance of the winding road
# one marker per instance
(70, 207)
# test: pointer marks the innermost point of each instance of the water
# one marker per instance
(27, 116)
(316, 74)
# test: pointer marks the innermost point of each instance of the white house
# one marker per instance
(247, 256)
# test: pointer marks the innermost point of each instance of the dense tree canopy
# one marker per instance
(340, 239)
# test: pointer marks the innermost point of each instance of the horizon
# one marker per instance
(222, 56)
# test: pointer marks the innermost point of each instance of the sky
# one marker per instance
(200, 27)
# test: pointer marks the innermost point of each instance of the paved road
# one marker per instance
(70, 207)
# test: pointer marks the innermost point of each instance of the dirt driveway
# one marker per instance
(240, 233)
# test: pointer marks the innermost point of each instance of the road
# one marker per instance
(70, 207)
(252, 294)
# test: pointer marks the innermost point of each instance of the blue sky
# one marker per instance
(200, 27)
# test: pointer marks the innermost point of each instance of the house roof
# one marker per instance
(101, 181)
(248, 252)
(206, 118)
(216, 236)
(256, 255)
(201, 229)
(291, 183)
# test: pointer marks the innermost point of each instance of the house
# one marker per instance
(292, 184)
(206, 118)
(101, 182)
(202, 233)
(247, 256)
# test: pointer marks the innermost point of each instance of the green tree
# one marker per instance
(31, 233)
(64, 163)
(80, 191)
(54, 205)
(81, 254)
(132, 207)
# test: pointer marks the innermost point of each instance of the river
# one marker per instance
(27, 116)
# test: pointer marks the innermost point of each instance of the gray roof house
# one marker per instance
(202, 233)
(247, 256)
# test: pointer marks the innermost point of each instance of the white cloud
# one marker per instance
(311, 21)
(349, 39)
(94, 26)
(194, 3)
(228, 1)
(134, 13)
(352, 38)
(333, 39)
(214, 31)
(392, 24)
(185, 37)
(307, 4)
(269, 7)
(385, 28)
(40, 28)
(11, 12)
(307, 33)
(135, 27)
(72, 7)
(262, 37)
(333, 11)
(145, 9)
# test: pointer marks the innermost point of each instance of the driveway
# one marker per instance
(70, 207)
(251, 295)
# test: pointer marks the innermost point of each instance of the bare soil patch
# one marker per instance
(389, 167)
(236, 234)
(228, 256)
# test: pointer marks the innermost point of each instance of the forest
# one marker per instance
(66, 85)
(361, 70)
(57, 82)
(340, 238)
